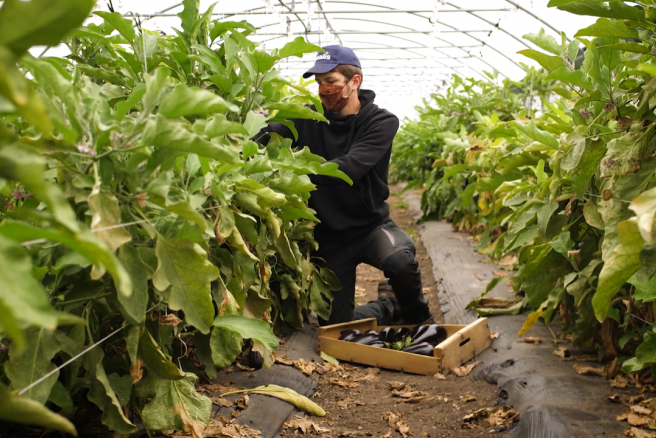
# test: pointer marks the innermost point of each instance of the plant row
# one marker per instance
(560, 170)
(145, 238)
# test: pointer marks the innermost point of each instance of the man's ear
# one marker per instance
(357, 80)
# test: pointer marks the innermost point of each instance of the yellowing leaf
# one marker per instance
(622, 263)
(106, 219)
(644, 207)
(185, 266)
(288, 395)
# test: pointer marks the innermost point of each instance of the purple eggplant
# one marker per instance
(423, 348)
(432, 334)
(387, 335)
(377, 344)
(416, 330)
(349, 335)
(367, 338)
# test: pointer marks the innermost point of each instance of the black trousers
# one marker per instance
(390, 249)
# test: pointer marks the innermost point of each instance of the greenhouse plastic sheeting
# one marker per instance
(408, 49)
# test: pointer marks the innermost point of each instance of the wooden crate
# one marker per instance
(463, 343)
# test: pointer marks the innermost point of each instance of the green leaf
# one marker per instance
(189, 15)
(254, 123)
(102, 394)
(571, 77)
(644, 206)
(592, 216)
(134, 306)
(609, 28)
(294, 111)
(218, 125)
(628, 47)
(620, 265)
(32, 363)
(17, 409)
(155, 360)
(596, 8)
(298, 47)
(288, 395)
(537, 134)
(122, 25)
(174, 405)
(225, 346)
(645, 354)
(184, 266)
(647, 68)
(23, 298)
(185, 101)
(39, 22)
(248, 329)
(544, 41)
(328, 358)
(106, 218)
(166, 133)
(25, 165)
(156, 83)
(549, 62)
(84, 242)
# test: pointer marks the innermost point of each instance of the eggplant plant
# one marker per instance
(145, 238)
(570, 189)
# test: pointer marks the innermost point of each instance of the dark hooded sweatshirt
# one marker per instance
(361, 144)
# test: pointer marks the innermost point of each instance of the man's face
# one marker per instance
(335, 78)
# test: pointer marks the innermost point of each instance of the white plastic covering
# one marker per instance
(408, 49)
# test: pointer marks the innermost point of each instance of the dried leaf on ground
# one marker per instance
(219, 401)
(502, 273)
(284, 361)
(222, 428)
(439, 376)
(562, 352)
(388, 434)
(496, 417)
(396, 422)
(396, 385)
(217, 388)
(494, 335)
(588, 370)
(305, 367)
(411, 396)
(242, 402)
(533, 340)
(641, 410)
(467, 398)
(465, 369)
(305, 425)
(244, 367)
(508, 260)
(343, 383)
(635, 432)
(620, 382)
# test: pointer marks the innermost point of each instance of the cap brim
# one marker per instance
(324, 67)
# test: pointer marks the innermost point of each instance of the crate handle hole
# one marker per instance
(464, 342)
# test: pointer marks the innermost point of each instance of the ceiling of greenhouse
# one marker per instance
(408, 49)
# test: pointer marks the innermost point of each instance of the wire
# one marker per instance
(76, 357)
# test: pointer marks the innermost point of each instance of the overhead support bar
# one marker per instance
(364, 32)
(329, 12)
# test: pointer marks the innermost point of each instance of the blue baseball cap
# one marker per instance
(333, 56)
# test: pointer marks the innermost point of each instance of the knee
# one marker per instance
(400, 263)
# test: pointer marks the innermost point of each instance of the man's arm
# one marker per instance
(264, 135)
(365, 153)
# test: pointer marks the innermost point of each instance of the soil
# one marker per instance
(359, 411)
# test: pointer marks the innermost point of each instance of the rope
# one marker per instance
(76, 357)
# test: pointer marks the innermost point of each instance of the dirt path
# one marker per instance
(357, 398)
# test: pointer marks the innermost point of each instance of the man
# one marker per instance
(355, 223)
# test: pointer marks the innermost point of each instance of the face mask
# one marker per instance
(332, 97)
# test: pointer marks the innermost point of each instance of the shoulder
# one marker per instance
(382, 116)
